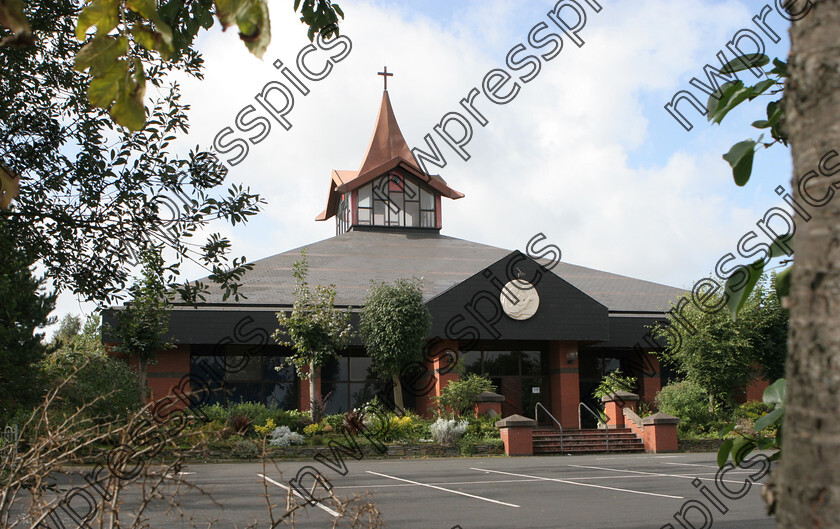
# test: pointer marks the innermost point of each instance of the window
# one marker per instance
(342, 216)
(350, 382)
(516, 375)
(242, 373)
(394, 200)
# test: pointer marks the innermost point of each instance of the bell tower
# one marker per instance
(390, 189)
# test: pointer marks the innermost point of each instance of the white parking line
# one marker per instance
(443, 489)
(682, 476)
(374, 486)
(581, 484)
(318, 504)
(705, 466)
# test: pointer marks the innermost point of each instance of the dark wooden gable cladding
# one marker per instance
(471, 310)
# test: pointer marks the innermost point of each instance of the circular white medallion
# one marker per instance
(519, 299)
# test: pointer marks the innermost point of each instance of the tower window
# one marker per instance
(393, 200)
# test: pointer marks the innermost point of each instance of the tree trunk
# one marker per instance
(808, 491)
(398, 400)
(313, 391)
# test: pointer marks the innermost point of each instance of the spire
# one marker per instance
(387, 141)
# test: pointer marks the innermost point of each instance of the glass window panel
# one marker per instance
(363, 392)
(364, 196)
(284, 396)
(427, 219)
(243, 368)
(529, 398)
(471, 361)
(335, 369)
(412, 214)
(412, 192)
(531, 364)
(361, 368)
(501, 363)
(338, 401)
(395, 203)
(364, 216)
(250, 392)
(285, 374)
(378, 213)
(427, 200)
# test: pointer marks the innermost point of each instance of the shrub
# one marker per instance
(482, 428)
(215, 412)
(689, 402)
(98, 375)
(313, 429)
(244, 449)
(284, 437)
(240, 422)
(460, 395)
(267, 429)
(615, 381)
(447, 431)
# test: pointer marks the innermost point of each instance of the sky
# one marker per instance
(585, 153)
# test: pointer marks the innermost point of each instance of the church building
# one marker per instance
(544, 331)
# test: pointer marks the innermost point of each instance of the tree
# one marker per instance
(316, 329)
(24, 308)
(92, 198)
(808, 490)
(143, 324)
(129, 32)
(461, 395)
(394, 325)
(720, 355)
(78, 359)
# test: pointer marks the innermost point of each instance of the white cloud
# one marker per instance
(556, 159)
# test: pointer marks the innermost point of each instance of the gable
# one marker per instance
(472, 309)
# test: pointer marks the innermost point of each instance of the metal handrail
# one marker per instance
(536, 418)
(597, 418)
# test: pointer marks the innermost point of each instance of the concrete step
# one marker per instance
(548, 441)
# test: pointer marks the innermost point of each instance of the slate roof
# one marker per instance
(351, 260)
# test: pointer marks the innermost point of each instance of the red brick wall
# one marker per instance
(565, 383)
(163, 376)
(519, 441)
(650, 385)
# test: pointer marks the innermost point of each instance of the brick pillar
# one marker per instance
(650, 378)
(444, 355)
(489, 403)
(565, 382)
(517, 433)
(614, 407)
(660, 433)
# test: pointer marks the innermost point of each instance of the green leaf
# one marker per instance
(740, 157)
(761, 87)
(128, 109)
(104, 14)
(9, 186)
(769, 419)
(731, 99)
(783, 282)
(735, 299)
(780, 68)
(148, 10)
(723, 452)
(144, 36)
(101, 54)
(780, 246)
(338, 10)
(774, 395)
(741, 447)
(741, 63)
(104, 89)
(255, 27)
